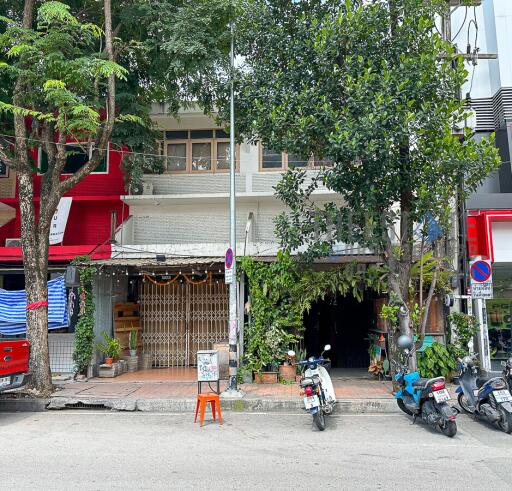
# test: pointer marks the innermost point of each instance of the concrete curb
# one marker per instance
(26, 405)
(347, 406)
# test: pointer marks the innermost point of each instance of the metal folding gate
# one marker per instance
(178, 319)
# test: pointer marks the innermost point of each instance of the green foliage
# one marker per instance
(84, 331)
(436, 361)
(132, 341)
(280, 293)
(111, 347)
(462, 328)
(372, 90)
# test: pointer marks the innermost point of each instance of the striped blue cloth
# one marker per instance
(13, 305)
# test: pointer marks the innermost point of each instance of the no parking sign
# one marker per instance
(481, 279)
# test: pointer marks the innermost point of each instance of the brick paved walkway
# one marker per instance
(123, 388)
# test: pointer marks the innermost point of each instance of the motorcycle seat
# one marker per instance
(421, 382)
(309, 381)
(480, 382)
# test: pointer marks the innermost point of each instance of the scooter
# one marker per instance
(318, 391)
(507, 373)
(488, 398)
(427, 398)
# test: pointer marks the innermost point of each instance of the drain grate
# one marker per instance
(85, 405)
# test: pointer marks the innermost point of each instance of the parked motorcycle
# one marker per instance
(423, 397)
(507, 373)
(488, 398)
(318, 391)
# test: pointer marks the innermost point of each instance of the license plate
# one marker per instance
(475, 392)
(441, 395)
(310, 402)
(502, 395)
(5, 381)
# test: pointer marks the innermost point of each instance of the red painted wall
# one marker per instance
(89, 222)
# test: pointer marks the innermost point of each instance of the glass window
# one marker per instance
(201, 134)
(176, 135)
(295, 161)
(221, 134)
(176, 157)
(201, 156)
(223, 157)
(76, 157)
(271, 159)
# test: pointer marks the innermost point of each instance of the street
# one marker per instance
(108, 450)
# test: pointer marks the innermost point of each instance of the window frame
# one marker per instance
(188, 150)
(94, 172)
(284, 162)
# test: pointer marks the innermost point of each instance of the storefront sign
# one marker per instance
(481, 279)
(59, 221)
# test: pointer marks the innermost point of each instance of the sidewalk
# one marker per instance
(125, 394)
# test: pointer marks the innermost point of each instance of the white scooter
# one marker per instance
(319, 396)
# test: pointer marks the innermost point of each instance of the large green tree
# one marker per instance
(370, 86)
(88, 71)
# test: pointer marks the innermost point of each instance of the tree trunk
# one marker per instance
(35, 260)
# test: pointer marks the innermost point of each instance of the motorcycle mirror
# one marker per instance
(291, 353)
(327, 347)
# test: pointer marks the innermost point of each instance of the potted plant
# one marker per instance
(288, 370)
(111, 348)
(132, 342)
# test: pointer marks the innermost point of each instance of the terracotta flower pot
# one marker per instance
(265, 377)
(109, 361)
(287, 373)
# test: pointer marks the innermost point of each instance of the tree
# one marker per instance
(370, 87)
(63, 78)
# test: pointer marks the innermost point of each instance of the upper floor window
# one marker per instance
(76, 157)
(196, 151)
(275, 160)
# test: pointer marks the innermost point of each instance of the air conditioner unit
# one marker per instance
(12, 242)
(147, 188)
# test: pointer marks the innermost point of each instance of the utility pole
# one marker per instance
(462, 259)
(232, 390)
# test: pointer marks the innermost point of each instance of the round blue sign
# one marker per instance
(229, 258)
(480, 271)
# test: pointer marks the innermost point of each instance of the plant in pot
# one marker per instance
(288, 369)
(111, 348)
(132, 342)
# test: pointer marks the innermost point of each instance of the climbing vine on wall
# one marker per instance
(84, 331)
(281, 291)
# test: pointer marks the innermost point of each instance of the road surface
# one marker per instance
(95, 450)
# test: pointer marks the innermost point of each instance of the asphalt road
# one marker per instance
(75, 450)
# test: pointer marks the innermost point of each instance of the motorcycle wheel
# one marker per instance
(463, 403)
(505, 422)
(448, 428)
(403, 407)
(319, 420)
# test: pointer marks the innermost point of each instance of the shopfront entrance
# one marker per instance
(345, 324)
(178, 319)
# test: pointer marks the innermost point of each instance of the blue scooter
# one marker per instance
(423, 397)
(488, 398)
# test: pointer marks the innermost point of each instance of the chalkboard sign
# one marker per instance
(207, 366)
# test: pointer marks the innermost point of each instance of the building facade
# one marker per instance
(489, 210)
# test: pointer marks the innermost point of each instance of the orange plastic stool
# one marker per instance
(202, 400)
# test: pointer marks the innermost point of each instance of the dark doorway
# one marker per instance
(344, 323)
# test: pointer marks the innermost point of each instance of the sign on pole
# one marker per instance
(228, 266)
(481, 279)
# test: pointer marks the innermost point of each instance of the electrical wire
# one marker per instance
(462, 26)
